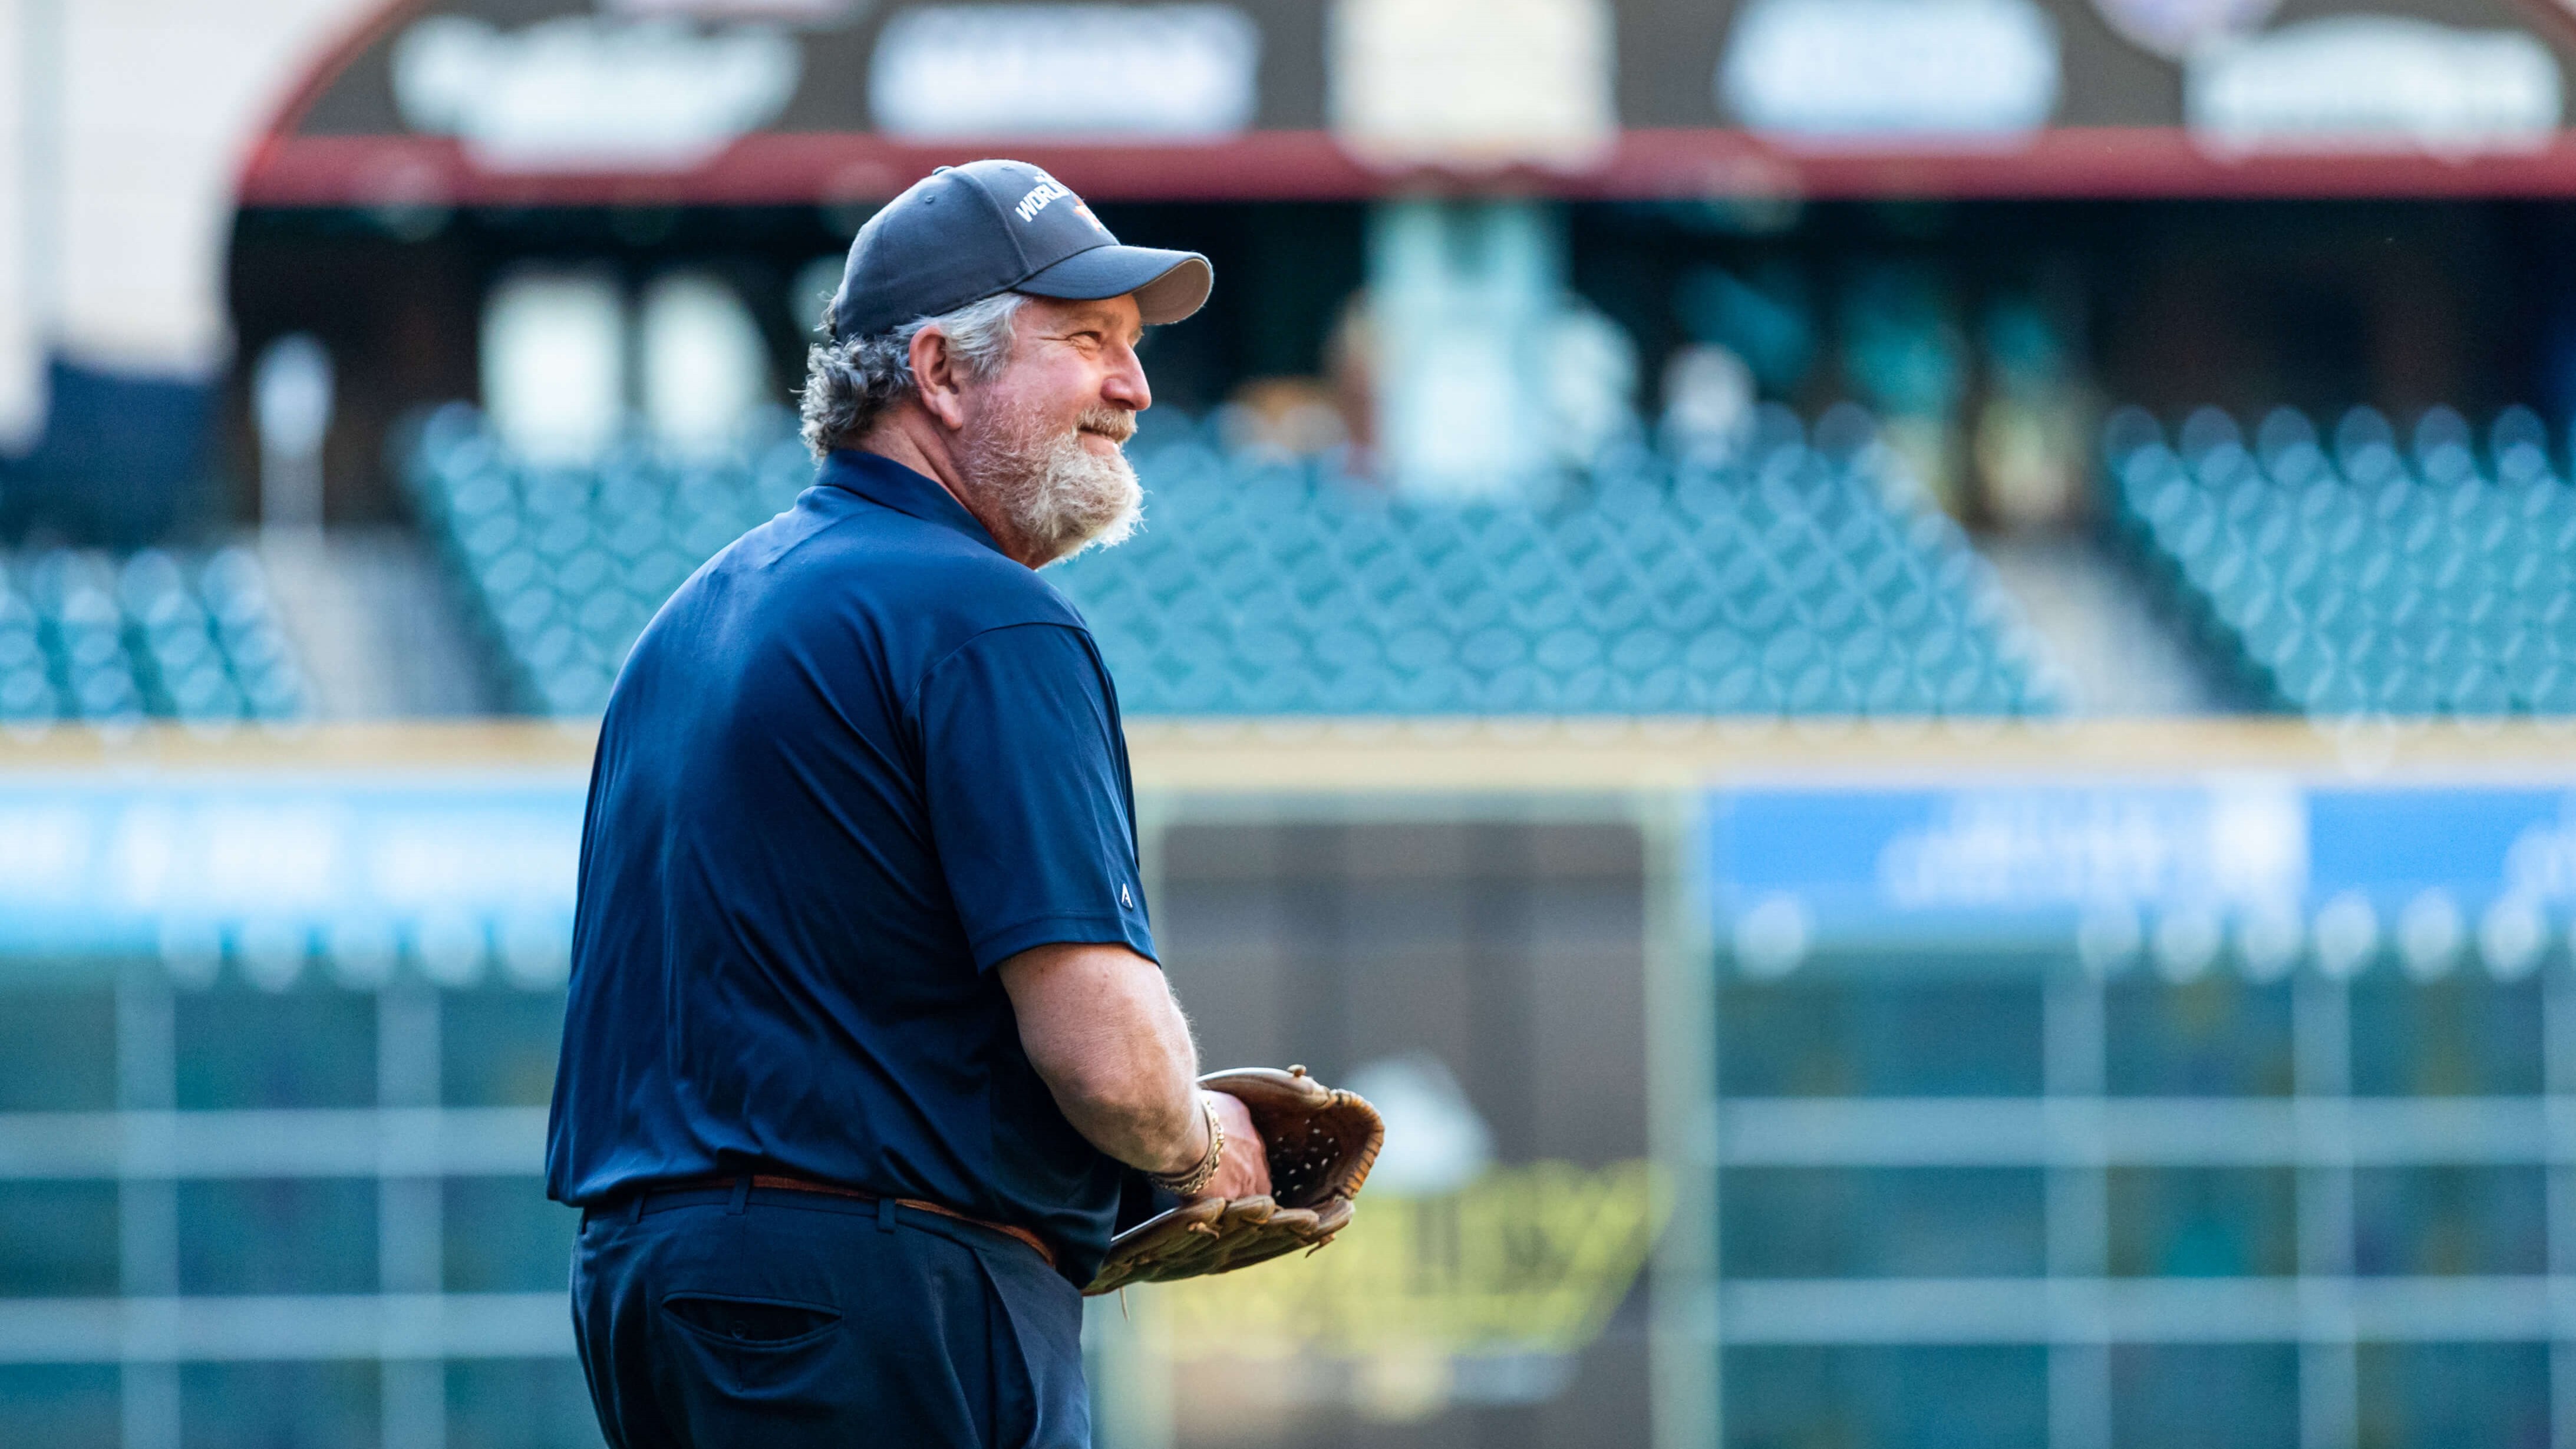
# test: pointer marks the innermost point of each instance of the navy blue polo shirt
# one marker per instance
(857, 760)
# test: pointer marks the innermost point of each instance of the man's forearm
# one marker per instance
(1167, 1137)
(1099, 1024)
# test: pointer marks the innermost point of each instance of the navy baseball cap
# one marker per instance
(964, 233)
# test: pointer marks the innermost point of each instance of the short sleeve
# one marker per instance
(1030, 804)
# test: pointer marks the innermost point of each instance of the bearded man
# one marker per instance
(867, 1035)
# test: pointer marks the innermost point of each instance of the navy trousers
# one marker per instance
(759, 1318)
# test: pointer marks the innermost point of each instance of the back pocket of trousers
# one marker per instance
(726, 1354)
(749, 1321)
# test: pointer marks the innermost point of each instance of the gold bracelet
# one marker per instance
(1195, 1181)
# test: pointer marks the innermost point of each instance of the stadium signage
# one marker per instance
(2358, 83)
(809, 11)
(1105, 72)
(1867, 72)
(2175, 29)
(1793, 870)
(583, 93)
(563, 102)
(1431, 83)
(206, 865)
(93, 864)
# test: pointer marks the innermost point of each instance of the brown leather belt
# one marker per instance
(834, 1189)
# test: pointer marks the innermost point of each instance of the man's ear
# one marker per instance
(936, 378)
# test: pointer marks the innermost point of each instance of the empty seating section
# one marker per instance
(1778, 578)
(566, 565)
(88, 636)
(2353, 573)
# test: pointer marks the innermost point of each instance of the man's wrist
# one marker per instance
(1191, 1150)
(1192, 1180)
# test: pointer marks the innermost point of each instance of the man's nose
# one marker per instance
(1125, 386)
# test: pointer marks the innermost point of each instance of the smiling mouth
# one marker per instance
(1116, 425)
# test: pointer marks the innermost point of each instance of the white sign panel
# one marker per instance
(2176, 28)
(1161, 72)
(1473, 83)
(588, 93)
(2374, 85)
(1868, 72)
(1987, 848)
(807, 12)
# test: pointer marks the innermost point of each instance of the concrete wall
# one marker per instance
(123, 125)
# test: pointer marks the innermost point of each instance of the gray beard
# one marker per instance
(1052, 492)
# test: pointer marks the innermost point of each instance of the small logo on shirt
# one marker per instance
(1125, 901)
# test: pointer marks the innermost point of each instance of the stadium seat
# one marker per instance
(1784, 578)
(2341, 575)
(86, 636)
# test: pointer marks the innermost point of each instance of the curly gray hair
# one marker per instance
(849, 385)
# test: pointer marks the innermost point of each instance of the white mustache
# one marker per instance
(1115, 424)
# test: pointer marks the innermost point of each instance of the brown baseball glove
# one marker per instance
(1320, 1142)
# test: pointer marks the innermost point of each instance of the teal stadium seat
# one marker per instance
(2350, 575)
(1792, 577)
(90, 637)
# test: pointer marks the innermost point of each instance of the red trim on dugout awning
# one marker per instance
(2069, 161)
(780, 168)
(787, 168)
(351, 42)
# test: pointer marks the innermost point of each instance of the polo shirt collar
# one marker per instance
(889, 484)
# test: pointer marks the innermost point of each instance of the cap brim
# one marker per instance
(1168, 285)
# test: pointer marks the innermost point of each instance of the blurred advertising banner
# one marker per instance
(2120, 868)
(190, 867)
(1481, 980)
(566, 102)
(1483, 1296)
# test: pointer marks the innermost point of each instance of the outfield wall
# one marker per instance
(2200, 1080)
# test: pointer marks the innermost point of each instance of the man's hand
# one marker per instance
(1244, 1170)
(1326, 1141)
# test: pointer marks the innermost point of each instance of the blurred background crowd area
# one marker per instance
(486, 318)
(1899, 673)
(1989, 366)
